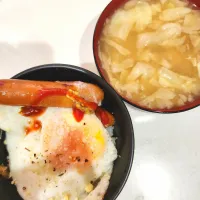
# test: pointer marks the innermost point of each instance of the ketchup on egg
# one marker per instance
(33, 112)
(35, 125)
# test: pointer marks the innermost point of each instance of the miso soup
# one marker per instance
(151, 52)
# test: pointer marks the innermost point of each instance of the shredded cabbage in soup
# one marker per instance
(150, 51)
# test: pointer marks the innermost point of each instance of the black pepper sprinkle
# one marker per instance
(24, 188)
(27, 149)
(61, 174)
(34, 154)
(84, 123)
(32, 162)
(45, 161)
(78, 159)
(86, 160)
(54, 169)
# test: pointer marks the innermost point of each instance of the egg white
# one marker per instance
(34, 178)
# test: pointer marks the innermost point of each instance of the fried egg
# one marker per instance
(60, 159)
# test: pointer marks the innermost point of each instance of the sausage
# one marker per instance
(105, 117)
(84, 96)
(89, 91)
(49, 94)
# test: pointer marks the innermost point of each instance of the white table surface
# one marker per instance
(167, 157)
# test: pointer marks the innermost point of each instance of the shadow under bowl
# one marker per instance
(123, 128)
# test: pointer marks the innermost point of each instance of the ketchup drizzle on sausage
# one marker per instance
(42, 94)
(106, 118)
(78, 114)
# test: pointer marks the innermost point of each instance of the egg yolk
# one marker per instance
(95, 141)
(67, 143)
(72, 151)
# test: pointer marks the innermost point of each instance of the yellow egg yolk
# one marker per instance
(95, 141)
(72, 144)
(72, 151)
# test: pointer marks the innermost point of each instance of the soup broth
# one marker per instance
(150, 51)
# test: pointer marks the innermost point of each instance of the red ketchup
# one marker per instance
(33, 112)
(35, 125)
(103, 116)
(42, 94)
(78, 114)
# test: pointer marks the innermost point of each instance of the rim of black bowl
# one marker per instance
(105, 84)
(123, 98)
